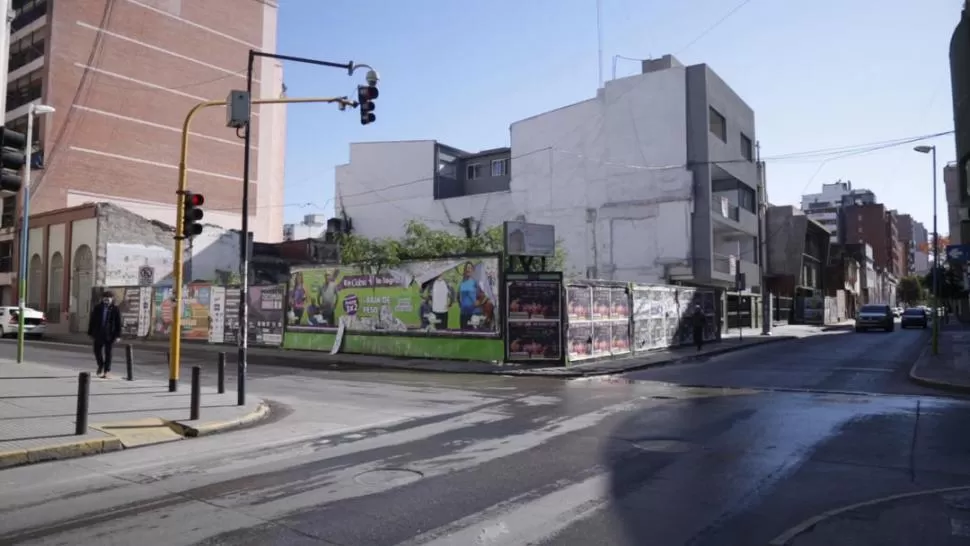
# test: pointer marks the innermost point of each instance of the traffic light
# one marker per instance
(193, 214)
(365, 102)
(14, 155)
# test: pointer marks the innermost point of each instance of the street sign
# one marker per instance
(958, 253)
(146, 275)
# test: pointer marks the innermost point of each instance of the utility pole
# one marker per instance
(766, 315)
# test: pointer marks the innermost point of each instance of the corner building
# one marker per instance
(122, 75)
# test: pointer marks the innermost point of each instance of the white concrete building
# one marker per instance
(313, 226)
(824, 207)
(652, 180)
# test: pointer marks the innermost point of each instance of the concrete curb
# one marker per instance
(84, 448)
(69, 450)
(915, 377)
(792, 533)
(185, 429)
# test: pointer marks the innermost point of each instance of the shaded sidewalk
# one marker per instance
(950, 369)
(38, 406)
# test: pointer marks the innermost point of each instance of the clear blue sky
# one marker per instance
(819, 75)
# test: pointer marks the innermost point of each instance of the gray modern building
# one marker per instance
(960, 81)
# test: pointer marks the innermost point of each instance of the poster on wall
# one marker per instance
(134, 304)
(266, 314)
(195, 312)
(602, 338)
(534, 319)
(619, 321)
(230, 319)
(217, 310)
(579, 303)
(601, 303)
(579, 340)
(446, 296)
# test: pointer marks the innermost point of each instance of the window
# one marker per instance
(746, 199)
(8, 211)
(747, 150)
(500, 167)
(474, 171)
(446, 165)
(718, 124)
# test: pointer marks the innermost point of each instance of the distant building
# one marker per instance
(825, 207)
(313, 226)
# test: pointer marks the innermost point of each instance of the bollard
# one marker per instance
(222, 373)
(83, 390)
(196, 393)
(130, 361)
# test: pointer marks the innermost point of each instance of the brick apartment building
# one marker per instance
(905, 225)
(874, 225)
(122, 75)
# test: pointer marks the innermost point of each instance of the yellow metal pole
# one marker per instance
(175, 336)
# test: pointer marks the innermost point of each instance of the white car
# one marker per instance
(35, 323)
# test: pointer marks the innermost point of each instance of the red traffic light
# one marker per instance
(196, 200)
(366, 93)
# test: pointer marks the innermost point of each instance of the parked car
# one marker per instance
(915, 317)
(875, 316)
(35, 323)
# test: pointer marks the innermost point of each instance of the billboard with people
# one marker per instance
(448, 296)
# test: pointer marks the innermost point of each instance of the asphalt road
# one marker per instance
(367, 458)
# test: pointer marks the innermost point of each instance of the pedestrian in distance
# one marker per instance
(104, 328)
(698, 321)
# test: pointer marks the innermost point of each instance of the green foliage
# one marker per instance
(420, 242)
(951, 284)
(910, 290)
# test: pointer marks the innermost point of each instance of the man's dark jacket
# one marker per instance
(101, 329)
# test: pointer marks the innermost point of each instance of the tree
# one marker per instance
(910, 290)
(420, 242)
(951, 283)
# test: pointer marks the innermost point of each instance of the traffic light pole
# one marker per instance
(178, 260)
(244, 248)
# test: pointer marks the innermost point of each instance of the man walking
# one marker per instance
(698, 321)
(104, 327)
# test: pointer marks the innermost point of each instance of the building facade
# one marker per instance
(312, 227)
(825, 207)
(652, 180)
(122, 75)
(960, 86)
(874, 225)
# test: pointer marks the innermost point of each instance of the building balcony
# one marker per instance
(724, 268)
(731, 218)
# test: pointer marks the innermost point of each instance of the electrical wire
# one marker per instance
(713, 27)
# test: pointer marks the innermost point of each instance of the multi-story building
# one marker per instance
(874, 225)
(960, 86)
(652, 180)
(956, 211)
(824, 207)
(122, 75)
(313, 226)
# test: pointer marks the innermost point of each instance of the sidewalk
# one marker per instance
(314, 359)
(38, 405)
(949, 370)
(922, 517)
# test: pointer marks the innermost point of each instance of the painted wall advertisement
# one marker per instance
(599, 321)
(265, 314)
(196, 319)
(534, 317)
(446, 296)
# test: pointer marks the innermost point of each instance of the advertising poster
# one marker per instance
(619, 304)
(579, 303)
(620, 337)
(230, 316)
(580, 340)
(601, 303)
(452, 296)
(195, 312)
(217, 310)
(266, 314)
(534, 317)
(602, 338)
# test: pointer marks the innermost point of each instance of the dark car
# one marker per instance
(916, 317)
(875, 316)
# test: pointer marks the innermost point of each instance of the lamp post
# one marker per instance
(936, 259)
(32, 111)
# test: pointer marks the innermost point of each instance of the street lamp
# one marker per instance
(32, 111)
(936, 259)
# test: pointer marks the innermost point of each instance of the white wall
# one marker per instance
(607, 172)
(271, 139)
(161, 212)
(212, 251)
